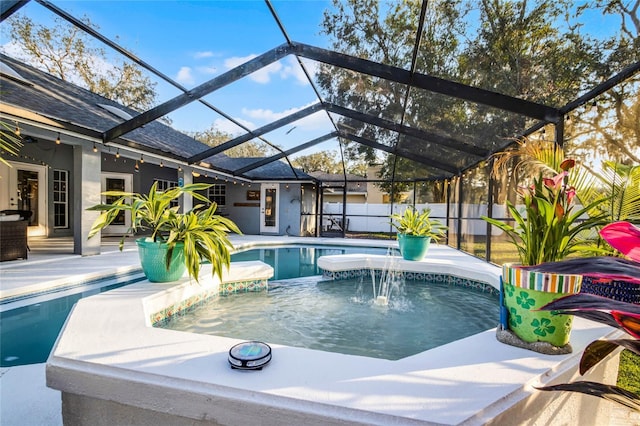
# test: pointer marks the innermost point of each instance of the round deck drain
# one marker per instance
(249, 355)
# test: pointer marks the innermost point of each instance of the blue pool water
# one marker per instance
(27, 333)
(299, 260)
(341, 316)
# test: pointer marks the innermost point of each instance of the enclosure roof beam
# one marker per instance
(399, 152)
(198, 92)
(427, 82)
(9, 7)
(445, 141)
(257, 132)
(277, 157)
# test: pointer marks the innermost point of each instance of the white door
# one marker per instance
(269, 200)
(117, 182)
(28, 191)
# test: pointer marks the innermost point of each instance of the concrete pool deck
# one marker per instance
(25, 399)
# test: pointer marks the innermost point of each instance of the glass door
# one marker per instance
(28, 189)
(269, 208)
(116, 182)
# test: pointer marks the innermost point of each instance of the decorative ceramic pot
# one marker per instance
(153, 257)
(413, 247)
(527, 291)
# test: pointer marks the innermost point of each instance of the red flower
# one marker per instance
(567, 164)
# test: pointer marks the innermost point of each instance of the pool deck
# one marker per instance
(24, 398)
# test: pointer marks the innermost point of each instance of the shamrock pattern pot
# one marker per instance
(525, 292)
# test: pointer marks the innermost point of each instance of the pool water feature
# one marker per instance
(345, 317)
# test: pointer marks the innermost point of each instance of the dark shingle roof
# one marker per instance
(66, 103)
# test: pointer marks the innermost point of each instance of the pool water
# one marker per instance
(299, 260)
(28, 333)
(340, 316)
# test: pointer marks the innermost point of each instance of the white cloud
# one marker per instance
(201, 55)
(227, 126)
(314, 121)
(185, 76)
(262, 75)
(293, 69)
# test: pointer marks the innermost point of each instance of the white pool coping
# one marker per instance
(108, 350)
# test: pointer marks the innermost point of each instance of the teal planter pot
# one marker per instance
(413, 247)
(153, 257)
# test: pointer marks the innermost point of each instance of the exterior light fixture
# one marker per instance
(137, 167)
(58, 139)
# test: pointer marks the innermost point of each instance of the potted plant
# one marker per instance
(415, 231)
(625, 316)
(178, 241)
(548, 229)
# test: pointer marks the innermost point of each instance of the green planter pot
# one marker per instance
(525, 292)
(153, 257)
(413, 247)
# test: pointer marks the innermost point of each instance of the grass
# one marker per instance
(629, 372)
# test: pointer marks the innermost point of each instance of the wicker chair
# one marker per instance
(13, 236)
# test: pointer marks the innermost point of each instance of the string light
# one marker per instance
(161, 163)
(179, 168)
(141, 159)
(118, 153)
(17, 129)
(95, 148)
(136, 166)
(58, 139)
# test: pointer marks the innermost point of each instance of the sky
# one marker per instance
(195, 41)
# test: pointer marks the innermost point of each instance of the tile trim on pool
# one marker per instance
(447, 279)
(162, 317)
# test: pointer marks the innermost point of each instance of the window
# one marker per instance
(218, 194)
(60, 199)
(165, 185)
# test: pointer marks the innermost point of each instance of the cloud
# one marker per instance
(262, 76)
(185, 76)
(227, 126)
(314, 121)
(201, 55)
(293, 69)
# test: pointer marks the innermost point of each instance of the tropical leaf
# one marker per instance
(9, 141)
(596, 351)
(608, 392)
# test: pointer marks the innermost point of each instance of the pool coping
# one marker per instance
(108, 350)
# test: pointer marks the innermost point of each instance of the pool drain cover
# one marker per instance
(249, 355)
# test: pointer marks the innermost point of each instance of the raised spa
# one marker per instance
(113, 367)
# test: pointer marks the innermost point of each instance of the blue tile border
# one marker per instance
(161, 318)
(447, 279)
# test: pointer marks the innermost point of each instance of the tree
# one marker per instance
(68, 53)
(214, 137)
(321, 161)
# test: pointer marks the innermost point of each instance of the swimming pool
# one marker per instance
(30, 326)
(341, 316)
(28, 332)
(152, 375)
(300, 260)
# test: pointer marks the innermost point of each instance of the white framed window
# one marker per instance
(60, 199)
(218, 194)
(165, 185)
